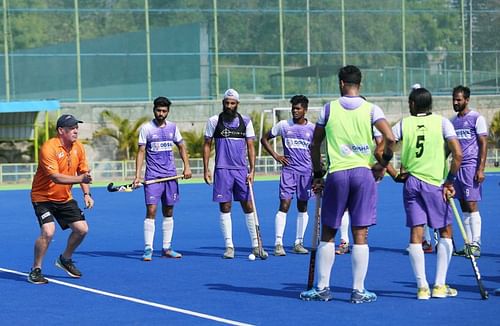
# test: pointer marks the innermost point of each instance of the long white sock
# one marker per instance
(168, 231)
(344, 227)
(444, 251)
(467, 225)
(359, 259)
(279, 227)
(302, 220)
(325, 257)
(149, 232)
(251, 229)
(475, 223)
(226, 227)
(417, 260)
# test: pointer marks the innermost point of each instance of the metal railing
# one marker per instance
(23, 173)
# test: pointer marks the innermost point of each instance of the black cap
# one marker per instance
(67, 120)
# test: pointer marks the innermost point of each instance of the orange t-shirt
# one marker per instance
(54, 158)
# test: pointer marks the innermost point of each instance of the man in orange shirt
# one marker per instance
(62, 164)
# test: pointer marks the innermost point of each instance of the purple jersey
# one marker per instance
(159, 142)
(230, 152)
(296, 139)
(468, 128)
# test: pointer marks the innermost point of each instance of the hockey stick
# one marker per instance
(262, 254)
(129, 187)
(315, 238)
(482, 290)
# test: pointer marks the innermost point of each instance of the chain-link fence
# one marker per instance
(118, 50)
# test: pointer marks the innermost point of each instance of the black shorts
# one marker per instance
(65, 213)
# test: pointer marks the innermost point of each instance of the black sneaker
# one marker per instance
(68, 266)
(36, 277)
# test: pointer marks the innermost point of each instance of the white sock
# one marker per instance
(168, 230)
(279, 227)
(344, 227)
(417, 261)
(475, 224)
(325, 257)
(149, 232)
(302, 220)
(251, 229)
(467, 225)
(444, 251)
(226, 227)
(427, 234)
(359, 259)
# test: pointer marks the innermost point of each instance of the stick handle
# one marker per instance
(458, 219)
(148, 182)
(314, 245)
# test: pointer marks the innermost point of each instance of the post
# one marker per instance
(148, 50)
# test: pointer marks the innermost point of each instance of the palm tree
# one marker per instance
(495, 130)
(194, 141)
(125, 133)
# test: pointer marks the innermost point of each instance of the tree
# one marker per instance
(194, 141)
(494, 137)
(123, 131)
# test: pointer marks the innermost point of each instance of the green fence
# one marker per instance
(128, 50)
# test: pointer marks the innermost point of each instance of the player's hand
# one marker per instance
(318, 185)
(401, 178)
(479, 177)
(283, 160)
(207, 177)
(89, 202)
(187, 173)
(378, 172)
(136, 183)
(448, 191)
(250, 178)
(86, 178)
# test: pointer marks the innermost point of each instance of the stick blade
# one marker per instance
(111, 188)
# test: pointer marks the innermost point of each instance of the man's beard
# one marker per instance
(458, 108)
(229, 115)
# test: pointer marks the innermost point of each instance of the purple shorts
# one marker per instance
(352, 189)
(229, 184)
(295, 183)
(167, 191)
(466, 187)
(424, 204)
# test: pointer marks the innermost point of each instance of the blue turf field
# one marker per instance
(201, 288)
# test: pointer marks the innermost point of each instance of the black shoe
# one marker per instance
(36, 277)
(68, 266)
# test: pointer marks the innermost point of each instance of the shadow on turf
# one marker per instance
(290, 290)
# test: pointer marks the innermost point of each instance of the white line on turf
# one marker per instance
(132, 299)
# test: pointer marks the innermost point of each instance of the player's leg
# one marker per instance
(47, 230)
(444, 253)
(152, 195)
(343, 247)
(222, 193)
(440, 216)
(169, 199)
(302, 220)
(279, 225)
(362, 210)
(417, 261)
(241, 193)
(149, 231)
(69, 215)
(416, 218)
(475, 226)
(332, 207)
(325, 258)
(303, 190)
